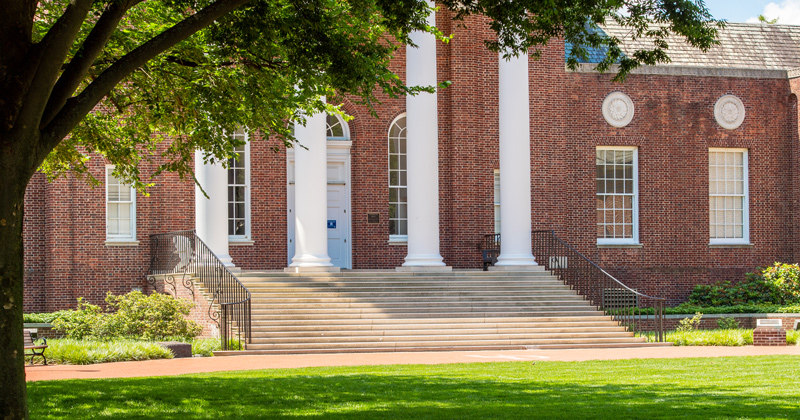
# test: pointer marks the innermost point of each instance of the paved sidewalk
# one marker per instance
(169, 367)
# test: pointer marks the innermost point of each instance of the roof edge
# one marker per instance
(697, 71)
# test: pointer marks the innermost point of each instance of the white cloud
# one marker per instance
(787, 12)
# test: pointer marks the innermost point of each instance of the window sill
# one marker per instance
(398, 241)
(615, 246)
(240, 242)
(122, 243)
(744, 246)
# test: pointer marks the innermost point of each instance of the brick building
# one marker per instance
(686, 173)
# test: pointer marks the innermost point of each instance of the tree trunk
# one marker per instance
(14, 176)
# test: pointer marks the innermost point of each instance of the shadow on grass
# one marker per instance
(487, 390)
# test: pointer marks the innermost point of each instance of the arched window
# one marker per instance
(398, 179)
(337, 128)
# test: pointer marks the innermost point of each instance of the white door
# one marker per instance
(338, 226)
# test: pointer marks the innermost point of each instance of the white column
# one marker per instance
(311, 198)
(423, 156)
(515, 164)
(211, 214)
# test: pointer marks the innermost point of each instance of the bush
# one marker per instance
(81, 322)
(136, 315)
(87, 351)
(726, 323)
(150, 317)
(777, 285)
(690, 324)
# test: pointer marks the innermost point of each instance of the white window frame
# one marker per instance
(246, 238)
(117, 238)
(329, 128)
(404, 237)
(497, 201)
(634, 240)
(745, 239)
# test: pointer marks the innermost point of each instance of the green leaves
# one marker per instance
(267, 63)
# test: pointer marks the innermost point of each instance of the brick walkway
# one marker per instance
(232, 363)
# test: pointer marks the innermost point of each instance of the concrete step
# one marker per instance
(386, 274)
(261, 336)
(469, 342)
(432, 305)
(356, 311)
(492, 322)
(389, 311)
(441, 348)
(324, 299)
(415, 315)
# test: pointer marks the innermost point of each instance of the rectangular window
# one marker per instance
(238, 191)
(120, 209)
(728, 196)
(617, 195)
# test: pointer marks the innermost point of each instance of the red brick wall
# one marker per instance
(673, 127)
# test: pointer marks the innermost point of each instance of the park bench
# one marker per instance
(30, 344)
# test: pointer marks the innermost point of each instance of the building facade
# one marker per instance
(686, 173)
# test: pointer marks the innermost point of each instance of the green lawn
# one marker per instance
(736, 387)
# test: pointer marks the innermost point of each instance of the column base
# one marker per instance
(516, 260)
(423, 260)
(424, 269)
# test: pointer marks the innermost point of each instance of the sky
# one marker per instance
(787, 11)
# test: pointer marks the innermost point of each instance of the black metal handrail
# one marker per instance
(625, 305)
(184, 253)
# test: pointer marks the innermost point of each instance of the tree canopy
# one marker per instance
(116, 78)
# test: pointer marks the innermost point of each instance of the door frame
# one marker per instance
(338, 151)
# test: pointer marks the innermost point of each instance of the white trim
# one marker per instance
(247, 187)
(745, 239)
(122, 239)
(400, 170)
(345, 129)
(634, 240)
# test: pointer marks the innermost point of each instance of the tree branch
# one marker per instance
(77, 107)
(54, 49)
(79, 65)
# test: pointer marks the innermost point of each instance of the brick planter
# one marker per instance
(767, 336)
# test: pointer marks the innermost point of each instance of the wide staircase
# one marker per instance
(383, 311)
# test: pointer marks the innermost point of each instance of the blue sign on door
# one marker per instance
(331, 224)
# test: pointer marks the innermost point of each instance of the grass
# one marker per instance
(729, 337)
(720, 388)
(69, 351)
(84, 352)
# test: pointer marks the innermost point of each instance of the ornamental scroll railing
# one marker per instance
(640, 313)
(180, 258)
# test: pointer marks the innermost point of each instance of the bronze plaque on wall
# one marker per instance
(373, 218)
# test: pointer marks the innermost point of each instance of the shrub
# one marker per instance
(81, 322)
(778, 284)
(150, 317)
(726, 323)
(690, 324)
(785, 281)
(136, 315)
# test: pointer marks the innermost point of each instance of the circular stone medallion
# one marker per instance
(729, 112)
(618, 109)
